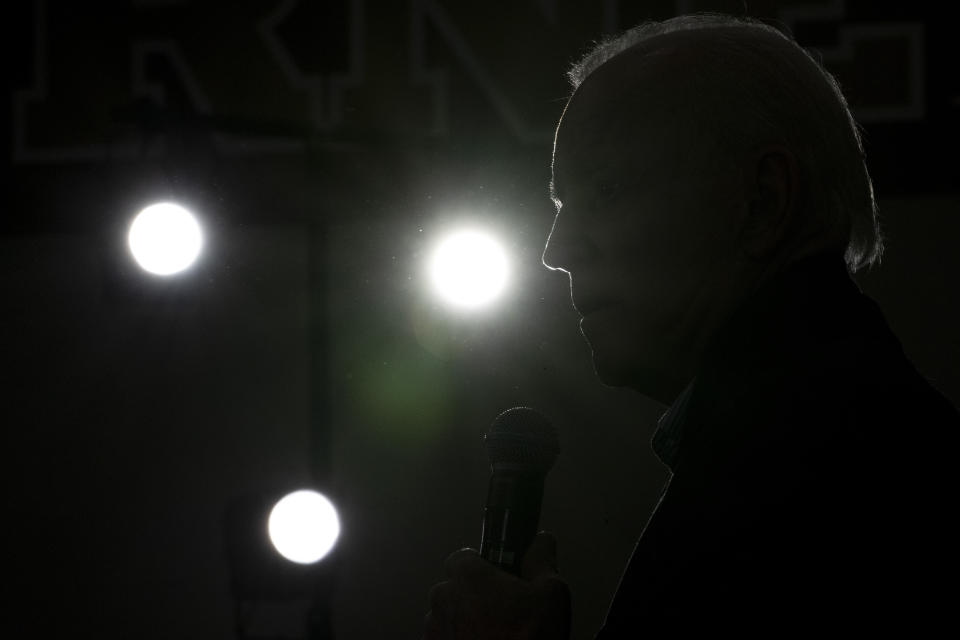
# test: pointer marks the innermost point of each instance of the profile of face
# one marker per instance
(646, 228)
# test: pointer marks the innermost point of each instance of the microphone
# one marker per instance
(522, 446)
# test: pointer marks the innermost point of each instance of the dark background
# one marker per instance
(325, 146)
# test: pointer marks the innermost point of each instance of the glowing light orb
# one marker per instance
(165, 238)
(303, 526)
(468, 269)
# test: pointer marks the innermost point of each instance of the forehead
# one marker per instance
(608, 124)
(638, 106)
(630, 97)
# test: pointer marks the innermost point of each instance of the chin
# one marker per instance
(626, 371)
(622, 359)
(612, 359)
(614, 372)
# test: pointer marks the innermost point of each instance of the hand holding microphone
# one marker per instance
(510, 589)
(522, 446)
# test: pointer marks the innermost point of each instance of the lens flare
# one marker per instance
(469, 269)
(165, 239)
(303, 526)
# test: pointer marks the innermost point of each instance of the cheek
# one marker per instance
(631, 329)
(659, 300)
(658, 251)
(622, 344)
(669, 263)
(650, 277)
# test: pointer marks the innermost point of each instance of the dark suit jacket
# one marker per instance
(814, 486)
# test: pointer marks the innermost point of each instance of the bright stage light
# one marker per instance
(468, 269)
(165, 238)
(303, 526)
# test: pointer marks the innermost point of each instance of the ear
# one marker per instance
(771, 179)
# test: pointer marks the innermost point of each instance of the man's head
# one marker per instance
(694, 160)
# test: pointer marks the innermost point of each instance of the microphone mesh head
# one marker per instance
(522, 439)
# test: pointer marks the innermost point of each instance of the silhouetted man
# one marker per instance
(712, 200)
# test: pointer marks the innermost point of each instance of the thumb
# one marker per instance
(541, 556)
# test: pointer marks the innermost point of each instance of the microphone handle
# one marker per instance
(510, 517)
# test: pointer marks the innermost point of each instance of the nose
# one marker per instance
(566, 247)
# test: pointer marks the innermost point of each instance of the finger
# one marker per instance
(540, 558)
(554, 588)
(437, 622)
(439, 596)
(467, 564)
(555, 606)
(434, 627)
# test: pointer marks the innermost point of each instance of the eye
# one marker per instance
(606, 189)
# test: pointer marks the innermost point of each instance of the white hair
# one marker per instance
(765, 88)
